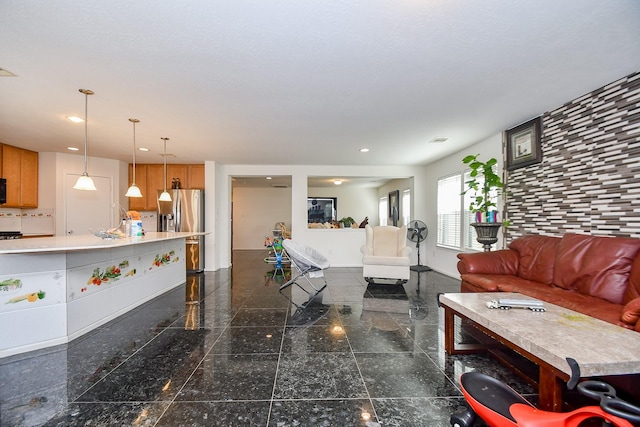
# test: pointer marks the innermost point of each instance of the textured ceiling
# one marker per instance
(300, 82)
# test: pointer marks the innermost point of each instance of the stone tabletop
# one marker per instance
(600, 348)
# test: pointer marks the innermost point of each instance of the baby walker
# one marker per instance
(500, 406)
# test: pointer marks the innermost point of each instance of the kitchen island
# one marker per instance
(55, 289)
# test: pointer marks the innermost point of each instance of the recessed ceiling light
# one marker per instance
(269, 177)
(143, 149)
(439, 139)
(337, 181)
(75, 119)
(73, 149)
(364, 150)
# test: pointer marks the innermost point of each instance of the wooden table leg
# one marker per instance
(449, 331)
(450, 345)
(549, 391)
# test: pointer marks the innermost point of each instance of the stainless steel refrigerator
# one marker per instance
(185, 212)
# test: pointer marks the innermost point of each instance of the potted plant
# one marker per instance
(347, 221)
(484, 185)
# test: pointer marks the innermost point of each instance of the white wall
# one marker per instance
(256, 211)
(51, 179)
(396, 184)
(444, 260)
(47, 180)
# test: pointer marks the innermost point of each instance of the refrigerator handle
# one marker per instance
(178, 210)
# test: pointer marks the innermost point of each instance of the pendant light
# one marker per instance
(165, 196)
(134, 191)
(85, 182)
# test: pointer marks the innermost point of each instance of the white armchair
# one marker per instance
(385, 254)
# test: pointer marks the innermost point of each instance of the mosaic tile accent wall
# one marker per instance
(589, 178)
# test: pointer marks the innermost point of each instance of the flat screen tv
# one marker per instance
(322, 209)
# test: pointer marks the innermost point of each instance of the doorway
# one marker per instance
(258, 203)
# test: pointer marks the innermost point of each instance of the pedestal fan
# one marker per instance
(417, 231)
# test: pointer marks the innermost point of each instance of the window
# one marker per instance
(470, 241)
(449, 211)
(454, 218)
(406, 206)
(382, 210)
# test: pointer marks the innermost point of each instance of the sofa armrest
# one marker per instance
(496, 262)
(631, 314)
(406, 251)
(366, 250)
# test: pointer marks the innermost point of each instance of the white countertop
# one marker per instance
(83, 242)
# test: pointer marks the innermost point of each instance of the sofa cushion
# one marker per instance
(597, 266)
(631, 313)
(633, 289)
(482, 282)
(537, 257)
(493, 262)
(581, 303)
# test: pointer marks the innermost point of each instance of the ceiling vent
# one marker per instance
(279, 186)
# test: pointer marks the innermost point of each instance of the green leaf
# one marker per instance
(469, 158)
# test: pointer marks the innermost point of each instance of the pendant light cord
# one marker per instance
(134, 121)
(134, 153)
(165, 163)
(86, 127)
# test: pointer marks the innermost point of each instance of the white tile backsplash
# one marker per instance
(38, 221)
(10, 220)
(28, 221)
(149, 220)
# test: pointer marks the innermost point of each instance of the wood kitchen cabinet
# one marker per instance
(190, 176)
(138, 203)
(178, 172)
(20, 168)
(155, 176)
(149, 178)
(196, 176)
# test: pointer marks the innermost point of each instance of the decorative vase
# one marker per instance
(487, 233)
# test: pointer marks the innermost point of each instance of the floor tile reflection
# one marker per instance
(228, 349)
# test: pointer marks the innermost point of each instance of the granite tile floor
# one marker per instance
(227, 349)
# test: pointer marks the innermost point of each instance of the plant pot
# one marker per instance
(487, 233)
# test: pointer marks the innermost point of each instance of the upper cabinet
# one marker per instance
(196, 176)
(149, 178)
(190, 176)
(20, 168)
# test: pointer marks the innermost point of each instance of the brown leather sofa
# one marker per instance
(597, 276)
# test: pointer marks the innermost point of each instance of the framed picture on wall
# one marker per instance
(524, 144)
(322, 209)
(394, 207)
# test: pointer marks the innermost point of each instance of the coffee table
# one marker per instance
(545, 338)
